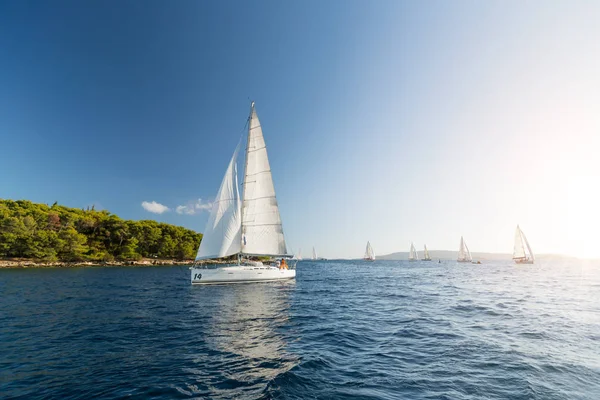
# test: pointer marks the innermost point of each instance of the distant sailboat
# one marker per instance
(464, 255)
(426, 254)
(413, 255)
(247, 227)
(314, 255)
(299, 257)
(522, 253)
(369, 253)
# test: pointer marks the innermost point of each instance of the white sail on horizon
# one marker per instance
(369, 252)
(521, 244)
(426, 254)
(464, 255)
(314, 254)
(413, 255)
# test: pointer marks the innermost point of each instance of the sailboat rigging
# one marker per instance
(522, 253)
(413, 255)
(369, 253)
(464, 255)
(426, 256)
(248, 228)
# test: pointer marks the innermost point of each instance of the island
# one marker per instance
(35, 234)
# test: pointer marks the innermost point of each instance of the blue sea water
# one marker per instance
(342, 330)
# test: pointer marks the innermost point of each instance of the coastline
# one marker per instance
(146, 262)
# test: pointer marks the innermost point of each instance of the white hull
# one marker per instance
(239, 274)
(523, 261)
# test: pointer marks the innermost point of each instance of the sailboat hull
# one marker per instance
(239, 274)
(524, 261)
(463, 261)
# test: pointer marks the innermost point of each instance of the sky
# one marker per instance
(389, 121)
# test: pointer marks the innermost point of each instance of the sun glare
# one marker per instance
(583, 221)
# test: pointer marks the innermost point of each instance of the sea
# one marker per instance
(341, 330)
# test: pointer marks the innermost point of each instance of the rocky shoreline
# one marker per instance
(25, 263)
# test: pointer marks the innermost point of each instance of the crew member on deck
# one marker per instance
(283, 264)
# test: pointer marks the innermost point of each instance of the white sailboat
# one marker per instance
(426, 256)
(413, 255)
(299, 256)
(464, 255)
(314, 254)
(250, 228)
(522, 253)
(369, 253)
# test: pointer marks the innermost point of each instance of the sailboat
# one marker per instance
(299, 256)
(522, 253)
(314, 255)
(247, 228)
(464, 255)
(426, 256)
(369, 253)
(413, 255)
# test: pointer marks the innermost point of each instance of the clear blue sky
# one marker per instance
(388, 121)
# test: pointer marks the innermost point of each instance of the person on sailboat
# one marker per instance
(283, 264)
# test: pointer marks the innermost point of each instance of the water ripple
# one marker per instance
(342, 330)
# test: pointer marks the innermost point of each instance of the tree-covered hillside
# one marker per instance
(58, 233)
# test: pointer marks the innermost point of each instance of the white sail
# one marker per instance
(413, 255)
(519, 250)
(528, 248)
(464, 255)
(262, 233)
(314, 254)
(522, 250)
(426, 254)
(299, 257)
(222, 235)
(369, 253)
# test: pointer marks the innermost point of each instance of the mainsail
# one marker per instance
(464, 255)
(426, 254)
(314, 254)
(222, 234)
(254, 226)
(262, 233)
(522, 251)
(369, 253)
(413, 253)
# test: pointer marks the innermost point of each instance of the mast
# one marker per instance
(243, 236)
